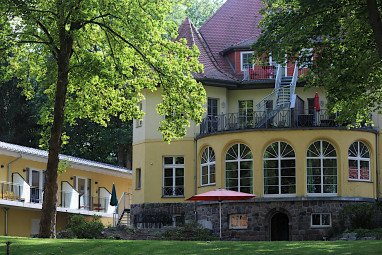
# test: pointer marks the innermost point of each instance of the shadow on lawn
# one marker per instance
(33, 246)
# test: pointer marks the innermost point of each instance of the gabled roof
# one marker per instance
(88, 164)
(235, 22)
(212, 70)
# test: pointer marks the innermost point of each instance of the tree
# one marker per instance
(111, 144)
(345, 39)
(93, 58)
(198, 11)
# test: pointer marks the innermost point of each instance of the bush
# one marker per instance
(79, 227)
(360, 216)
(189, 231)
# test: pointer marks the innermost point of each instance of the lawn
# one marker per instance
(22, 246)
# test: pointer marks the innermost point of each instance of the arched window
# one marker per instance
(279, 169)
(321, 168)
(359, 162)
(238, 168)
(207, 166)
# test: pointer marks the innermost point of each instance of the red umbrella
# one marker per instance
(221, 195)
(316, 104)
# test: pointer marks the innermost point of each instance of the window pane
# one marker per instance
(246, 165)
(168, 160)
(325, 219)
(271, 189)
(271, 181)
(271, 163)
(288, 172)
(204, 179)
(288, 163)
(168, 172)
(204, 170)
(179, 181)
(231, 165)
(212, 178)
(243, 221)
(288, 189)
(288, 181)
(179, 171)
(168, 182)
(179, 160)
(234, 221)
(232, 174)
(271, 172)
(316, 220)
(245, 182)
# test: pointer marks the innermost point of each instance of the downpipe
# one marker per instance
(378, 158)
(195, 175)
(9, 167)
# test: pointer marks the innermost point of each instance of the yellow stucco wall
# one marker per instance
(20, 219)
(148, 156)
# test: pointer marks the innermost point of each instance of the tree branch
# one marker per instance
(127, 42)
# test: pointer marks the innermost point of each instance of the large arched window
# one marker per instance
(279, 169)
(207, 166)
(321, 168)
(238, 168)
(359, 162)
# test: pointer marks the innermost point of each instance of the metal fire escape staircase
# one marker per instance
(121, 215)
(282, 95)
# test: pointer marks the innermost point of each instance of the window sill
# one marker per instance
(322, 194)
(206, 185)
(328, 226)
(173, 196)
(357, 180)
(138, 188)
(238, 228)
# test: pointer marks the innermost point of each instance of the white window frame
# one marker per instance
(140, 121)
(321, 158)
(87, 194)
(208, 164)
(321, 225)
(279, 158)
(241, 59)
(40, 188)
(174, 167)
(359, 158)
(239, 160)
(238, 227)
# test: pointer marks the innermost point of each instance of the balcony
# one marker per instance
(268, 119)
(21, 194)
(268, 71)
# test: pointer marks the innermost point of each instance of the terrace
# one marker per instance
(268, 119)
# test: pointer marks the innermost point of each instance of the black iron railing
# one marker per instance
(177, 191)
(268, 119)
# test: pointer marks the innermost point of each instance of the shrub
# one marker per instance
(189, 231)
(79, 227)
(360, 216)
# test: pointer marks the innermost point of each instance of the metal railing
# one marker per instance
(11, 191)
(259, 71)
(267, 119)
(122, 208)
(173, 191)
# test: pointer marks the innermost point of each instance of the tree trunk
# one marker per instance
(120, 145)
(376, 24)
(49, 206)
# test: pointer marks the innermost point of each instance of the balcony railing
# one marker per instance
(267, 119)
(177, 191)
(268, 71)
(70, 199)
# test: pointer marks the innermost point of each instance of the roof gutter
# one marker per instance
(9, 166)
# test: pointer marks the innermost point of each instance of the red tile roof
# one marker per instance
(234, 25)
(211, 69)
(234, 22)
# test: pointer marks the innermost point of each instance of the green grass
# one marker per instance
(22, 246)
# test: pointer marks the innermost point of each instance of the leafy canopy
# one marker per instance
(119, 49)
(339, 34)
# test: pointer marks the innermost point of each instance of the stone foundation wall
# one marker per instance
(259, 216)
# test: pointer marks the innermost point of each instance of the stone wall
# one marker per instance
(298, 212)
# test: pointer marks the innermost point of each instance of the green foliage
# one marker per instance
(360, 215)
(368, 232)
(198, 11)
(189, 231)
(120, 49)
(79, 227)
(343, 42)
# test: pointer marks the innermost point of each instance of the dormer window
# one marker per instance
(246, 60)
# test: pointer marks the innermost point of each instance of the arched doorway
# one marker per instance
(280, 227)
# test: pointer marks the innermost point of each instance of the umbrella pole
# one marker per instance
(220, 214)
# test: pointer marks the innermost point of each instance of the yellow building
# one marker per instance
(263, 133)
(84, 188)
